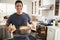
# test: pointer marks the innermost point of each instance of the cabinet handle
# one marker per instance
(50, 30)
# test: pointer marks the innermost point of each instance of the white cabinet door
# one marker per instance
(51, 34)
(57, 35)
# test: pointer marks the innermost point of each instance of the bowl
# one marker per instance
(25, 30)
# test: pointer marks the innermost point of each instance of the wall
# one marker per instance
(29, 5)
(7, 1)
(26, 2)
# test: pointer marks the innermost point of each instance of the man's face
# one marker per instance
(18, 7)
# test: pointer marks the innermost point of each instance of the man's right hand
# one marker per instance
(11, 29)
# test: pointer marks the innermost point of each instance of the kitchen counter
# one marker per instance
(4, 34)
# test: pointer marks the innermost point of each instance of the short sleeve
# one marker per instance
(9, 20)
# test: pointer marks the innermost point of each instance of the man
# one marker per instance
(18, 19)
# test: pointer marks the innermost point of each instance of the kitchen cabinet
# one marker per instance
(35, 6)
(50, 35)
(43, 7)
(53, 33)
(56, 7)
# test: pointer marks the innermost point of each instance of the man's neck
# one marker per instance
(19, 13)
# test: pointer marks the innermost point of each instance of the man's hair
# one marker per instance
(18, 1)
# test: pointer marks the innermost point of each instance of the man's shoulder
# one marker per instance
(12, 15)
(25, 14)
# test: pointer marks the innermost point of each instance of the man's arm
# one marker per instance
(30, 22)
(8, 22)
(33, 26)
(9, 29)
(7, 26)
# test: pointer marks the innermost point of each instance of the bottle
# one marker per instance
(56, 22)
(53, 23)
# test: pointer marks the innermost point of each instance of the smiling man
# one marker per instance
(18, 19)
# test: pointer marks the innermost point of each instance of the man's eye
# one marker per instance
(17, 6)
(20, 5)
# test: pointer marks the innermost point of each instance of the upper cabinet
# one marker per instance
(38, 6)
(35, 6)
(56, 7)
(47, 2)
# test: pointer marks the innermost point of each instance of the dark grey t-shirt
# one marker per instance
(19, 20)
